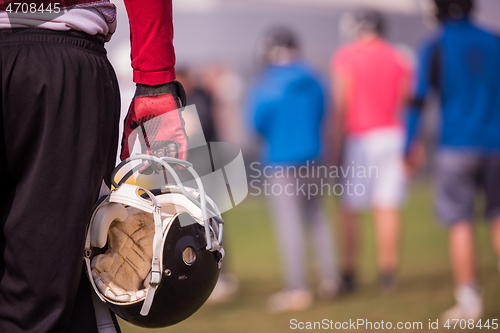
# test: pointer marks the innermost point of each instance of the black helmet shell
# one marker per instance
(184, 287)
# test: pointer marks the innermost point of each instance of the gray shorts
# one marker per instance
(460, 176)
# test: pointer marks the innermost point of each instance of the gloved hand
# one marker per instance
(156, 110)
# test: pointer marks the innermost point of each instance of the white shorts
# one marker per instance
(373, 171)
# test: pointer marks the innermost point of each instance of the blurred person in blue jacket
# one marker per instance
(461, 63)
(287, 103)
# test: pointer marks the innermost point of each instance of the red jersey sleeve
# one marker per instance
(151, 38)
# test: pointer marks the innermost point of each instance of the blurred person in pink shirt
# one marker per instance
(370, 86)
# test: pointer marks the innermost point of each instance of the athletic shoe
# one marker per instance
(290, 301)
(328, 289)
(348, 284)
(469, 304)
(225, 290)
(388, 282)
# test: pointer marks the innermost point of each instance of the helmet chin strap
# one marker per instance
(103, 318)
(156, 272)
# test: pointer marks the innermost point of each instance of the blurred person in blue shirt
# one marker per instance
(287, 105)
(461, 63)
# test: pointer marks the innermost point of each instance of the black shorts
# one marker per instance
(60, 108)
(460, 177)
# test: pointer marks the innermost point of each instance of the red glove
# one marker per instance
(156, 110)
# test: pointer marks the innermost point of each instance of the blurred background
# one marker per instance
(216, 42)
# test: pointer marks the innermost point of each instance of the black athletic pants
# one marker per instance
(60, 108)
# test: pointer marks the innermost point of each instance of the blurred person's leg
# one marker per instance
(495, 236)
(352, 204)
(287, 215)
(324, 246)
(462, 253)
(386, 169)
(457, 178)
(491, 183)
(387, 229)
(463, 263)
(349, 220)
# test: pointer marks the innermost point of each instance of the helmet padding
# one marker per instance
(123, 272)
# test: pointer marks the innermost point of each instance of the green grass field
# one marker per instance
(424, 291)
